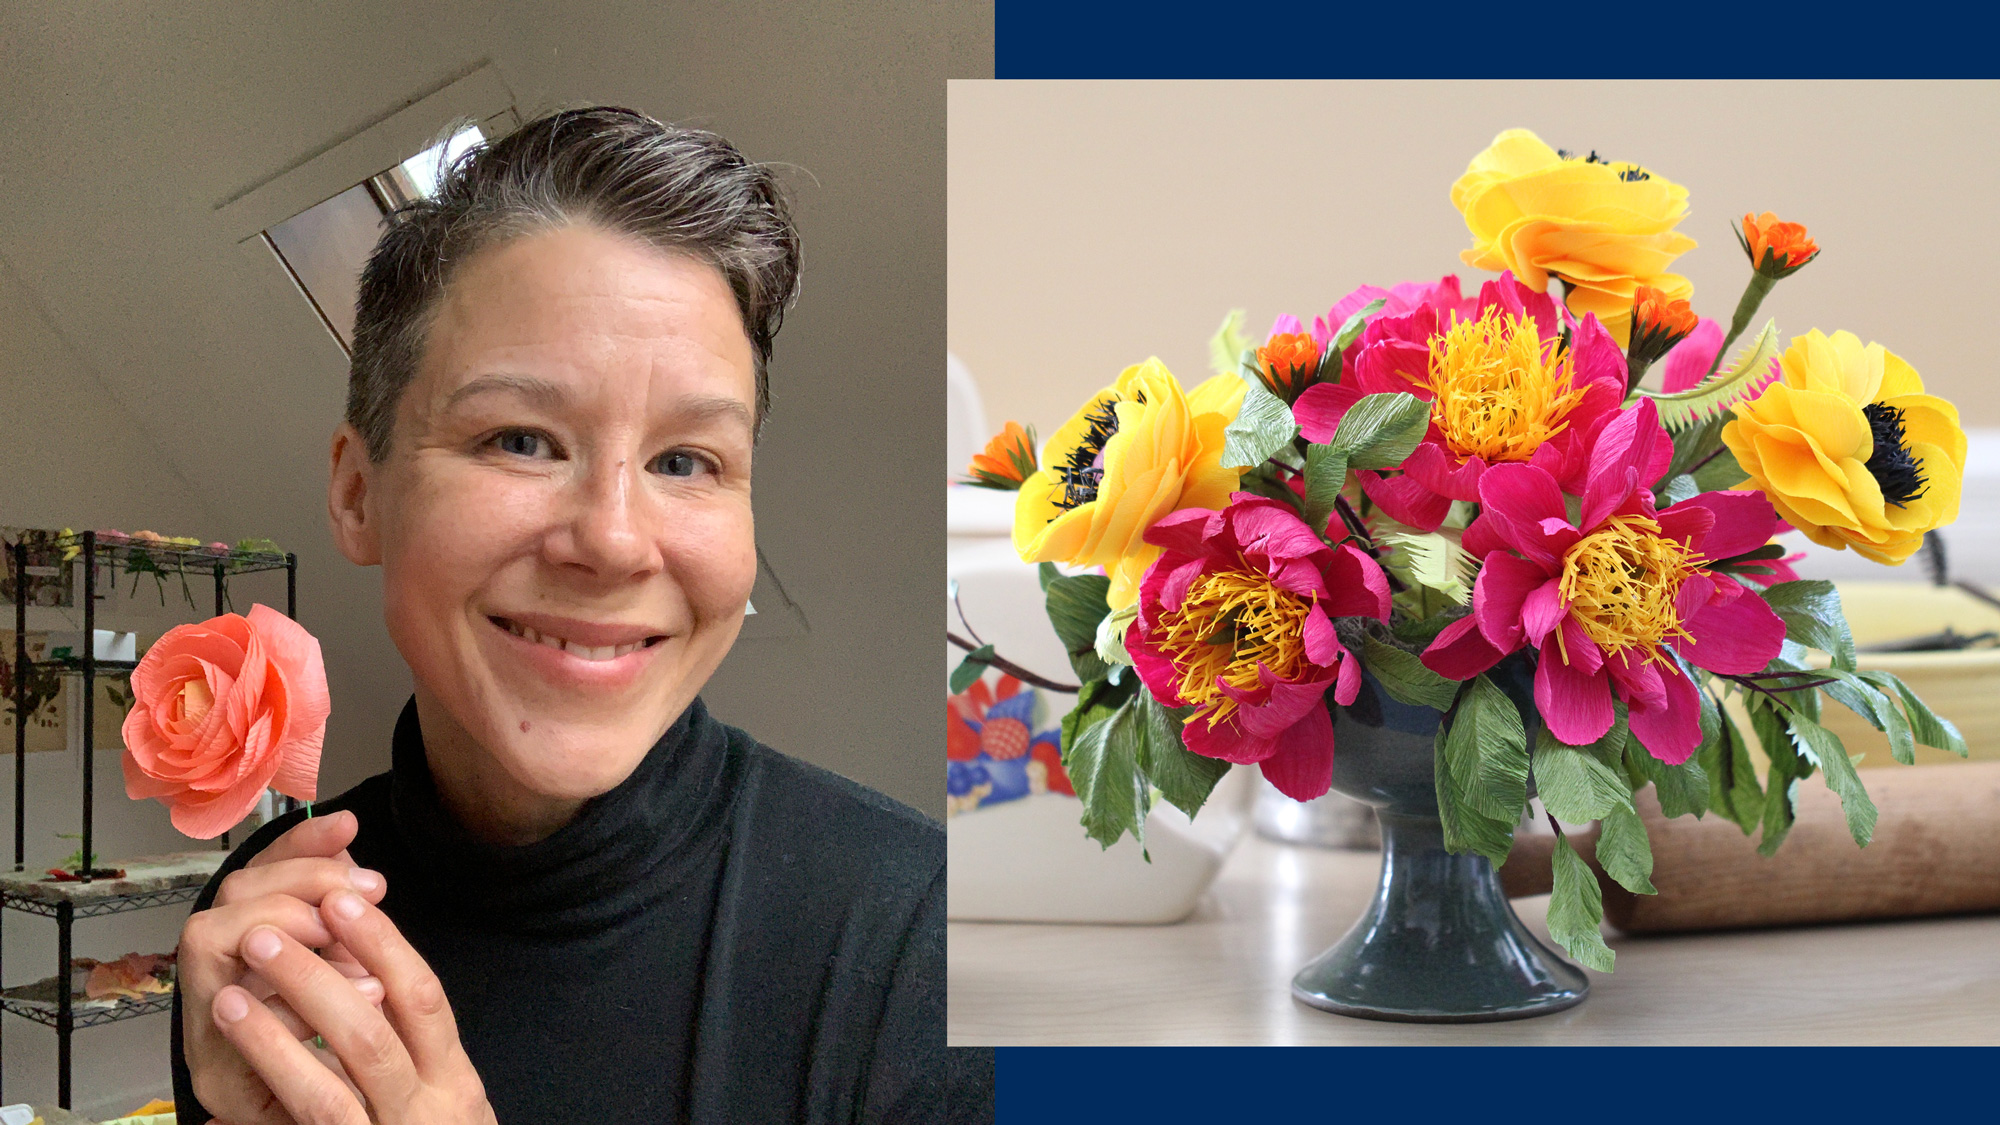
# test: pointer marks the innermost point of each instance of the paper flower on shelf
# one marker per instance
(223, 710)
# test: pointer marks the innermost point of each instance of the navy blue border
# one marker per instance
(1419, 1085)
(1494, 39)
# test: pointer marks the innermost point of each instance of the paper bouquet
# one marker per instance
(1469, 502)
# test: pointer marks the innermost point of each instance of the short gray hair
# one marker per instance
(679, 189)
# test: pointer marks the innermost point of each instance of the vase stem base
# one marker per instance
(1439, 944)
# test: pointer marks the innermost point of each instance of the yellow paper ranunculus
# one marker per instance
(1137, 450)
(1606, 228)
(1850, 449)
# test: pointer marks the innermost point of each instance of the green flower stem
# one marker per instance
(1753, 296)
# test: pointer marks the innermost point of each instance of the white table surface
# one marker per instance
(1222, 976)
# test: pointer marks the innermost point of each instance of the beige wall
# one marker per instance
(1093, 224)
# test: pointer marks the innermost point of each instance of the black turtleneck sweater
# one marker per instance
(730, 935)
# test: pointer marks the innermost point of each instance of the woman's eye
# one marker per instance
(524, 443)
(680, 463)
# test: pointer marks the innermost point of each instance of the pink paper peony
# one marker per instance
(1236, 621)
(1501, 384)
(1603, 597)
(223, 710)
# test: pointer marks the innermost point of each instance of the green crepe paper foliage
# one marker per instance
(1184, 778)
(1810, 609)
(1483, 725)
(1350, 331)
(1377, 432)
(1576, 908)
(1228, 343)
(1119, 760)
(1076, 604)
(971, 668)
(1402, 674)
(1574, 783)
(1624, 851)
(1711, 396)
(1823, 745)
(1926, 726)
(1435, 560)
(1262, 426)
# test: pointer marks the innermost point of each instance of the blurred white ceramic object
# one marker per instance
(1017, 852)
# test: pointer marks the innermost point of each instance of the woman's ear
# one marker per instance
(355, 530)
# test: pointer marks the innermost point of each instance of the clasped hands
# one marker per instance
(254, 993)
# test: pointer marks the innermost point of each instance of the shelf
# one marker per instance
(73, 665)
(150, 881)
(202, 559)
(37, 1002)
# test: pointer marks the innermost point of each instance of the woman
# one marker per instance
(575, 896)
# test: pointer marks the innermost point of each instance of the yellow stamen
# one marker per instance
(1231, 621)
(1620, 582)
(1499, 391)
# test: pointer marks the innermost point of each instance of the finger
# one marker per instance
(306, 878)
(416, 1002)
(354, 1029)
(322, 836)
(211, 939)
(369, 988)
(311, 1093)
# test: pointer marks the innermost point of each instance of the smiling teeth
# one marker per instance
(609, 652)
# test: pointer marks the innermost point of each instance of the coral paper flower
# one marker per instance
(1006, 461)
(1137, 450)
(1604, 595)
(1850, 448)
(1605, 228)
(222, 710)
(1502, 387)
(1236, 621)
(1776, 249)
(1658, 323)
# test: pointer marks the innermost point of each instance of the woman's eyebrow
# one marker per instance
(549, 396)
(701, 408)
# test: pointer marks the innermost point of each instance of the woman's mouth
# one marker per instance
(587, 652)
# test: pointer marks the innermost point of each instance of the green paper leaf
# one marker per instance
(1262, 426)
(1575, 785)
(1466, 828)
(1075, 606)
(1576, 909)
(1326, 471)
(1841, 776)
(1435, 560)
(1681, 789)
(1722, 471)
(1624, 852)
(1104, 768)
(1781, 783)
(1489, 736)
(1350, 330)
(1403, 675)
(1718, 392)
(1677, 489)
(1380, 430)
(1733, 790)
(1096, 702)
(1229, 342)
(1926, 725)
(1811, 611)
(1183, 777)
(1860, 697)
(1047, 573)
(970, 669)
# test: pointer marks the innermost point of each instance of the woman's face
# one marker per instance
(571, 462)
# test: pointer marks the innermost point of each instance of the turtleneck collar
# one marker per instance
(609, 863)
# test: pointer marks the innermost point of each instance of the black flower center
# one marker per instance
(1894, 469)
(1082, 471)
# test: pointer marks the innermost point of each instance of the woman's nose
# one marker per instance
(612, 523)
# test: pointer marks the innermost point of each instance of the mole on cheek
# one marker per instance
(524, 726)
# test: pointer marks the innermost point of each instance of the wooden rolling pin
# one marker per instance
(1936, 850)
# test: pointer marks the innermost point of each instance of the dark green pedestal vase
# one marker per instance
(1439, 943)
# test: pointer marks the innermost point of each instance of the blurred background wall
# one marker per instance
(155, 376)
(1094, 224)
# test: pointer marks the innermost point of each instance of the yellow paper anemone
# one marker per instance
(1604, 227)
(1137, 450)
(1850, 449)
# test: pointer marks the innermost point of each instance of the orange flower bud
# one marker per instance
(1776, 249)
(1658, 323)
(1288, 363)
(1006, 461)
